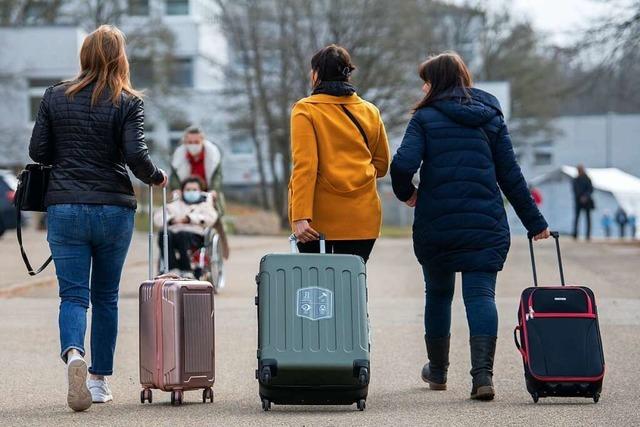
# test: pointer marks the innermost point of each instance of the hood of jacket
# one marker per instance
(475, 111)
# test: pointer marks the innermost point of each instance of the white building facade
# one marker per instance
(598, 141)
(31, 59)
(34, 57)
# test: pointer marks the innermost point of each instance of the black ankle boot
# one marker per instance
(483, 350)
(435, 372)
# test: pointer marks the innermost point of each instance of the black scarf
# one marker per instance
(335, 88)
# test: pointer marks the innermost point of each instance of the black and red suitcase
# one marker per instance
(559, 338)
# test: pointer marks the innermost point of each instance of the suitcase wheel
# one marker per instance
(361, 404)
(207, 394)
(146, 395)
(535, 397)
(266, 405)
(266, 375)
(176, 397)
(363, 376)
(596, 397)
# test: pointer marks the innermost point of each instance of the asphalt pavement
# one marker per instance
(32, 378)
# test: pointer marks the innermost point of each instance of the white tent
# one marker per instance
(613, 188)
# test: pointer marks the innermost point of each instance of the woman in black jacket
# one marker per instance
(458, 139)
(89, 129)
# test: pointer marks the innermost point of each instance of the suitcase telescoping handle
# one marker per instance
(556, 237)
(293, 241)
(165, 233)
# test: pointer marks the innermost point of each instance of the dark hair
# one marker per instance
(443, 72)
(332, 64)
(195, 179)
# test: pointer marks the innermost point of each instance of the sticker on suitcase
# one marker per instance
(314, 303)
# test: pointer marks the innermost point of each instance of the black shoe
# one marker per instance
(483, 350)
(435, 371)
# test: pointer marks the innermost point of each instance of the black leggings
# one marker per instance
(361, 248)
(179, 245)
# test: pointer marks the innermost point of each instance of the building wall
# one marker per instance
(50, 54)
(28, 65)
(610, 140)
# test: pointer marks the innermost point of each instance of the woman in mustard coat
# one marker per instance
(339, 149)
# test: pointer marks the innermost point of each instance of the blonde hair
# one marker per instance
(103, 60)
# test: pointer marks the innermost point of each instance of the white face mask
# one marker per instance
(194, 149)
(192, 196)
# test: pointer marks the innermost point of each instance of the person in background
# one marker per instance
(339, 149)
(197, 156)
(90, 129)
(631, 219)
(606, 222)
(621, 220)
(459, 141)
(583, 201)
(187, 219)
(536, 194)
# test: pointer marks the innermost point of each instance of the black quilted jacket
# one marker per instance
(90, 147)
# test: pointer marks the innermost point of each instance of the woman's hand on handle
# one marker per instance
(543, 235)
(165, 180)
(413, 199)
(304, 232)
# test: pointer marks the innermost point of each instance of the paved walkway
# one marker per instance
(33, 382)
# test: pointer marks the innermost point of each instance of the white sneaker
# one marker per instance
(78, 395)
(100, 391)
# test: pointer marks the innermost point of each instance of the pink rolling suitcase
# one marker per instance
(176, 330)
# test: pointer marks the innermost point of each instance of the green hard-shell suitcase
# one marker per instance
(313, 329)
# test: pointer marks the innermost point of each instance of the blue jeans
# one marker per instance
(89, 244)
(478, 293)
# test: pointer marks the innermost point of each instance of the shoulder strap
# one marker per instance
(22, 252)
(357, 123)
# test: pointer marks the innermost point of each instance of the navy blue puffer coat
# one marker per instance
(463, 150)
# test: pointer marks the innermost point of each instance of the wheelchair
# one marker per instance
(207, 261)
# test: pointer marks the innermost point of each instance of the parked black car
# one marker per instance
(8, 184)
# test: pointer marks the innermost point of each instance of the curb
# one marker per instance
(24, 287)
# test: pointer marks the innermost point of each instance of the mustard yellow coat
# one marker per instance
(333, 181)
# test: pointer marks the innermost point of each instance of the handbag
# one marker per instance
(358, 125)
(33, 182)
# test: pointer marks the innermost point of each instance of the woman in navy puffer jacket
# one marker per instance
(458, 139)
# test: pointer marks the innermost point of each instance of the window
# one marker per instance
(177, 7)
(35, 12)
(181, 73)
(139, 7)
(542, 158)
(43, 82)
(34, 105)
(242, 147)
(174, 142)
(37, 86)
(141, 72)
(178, 125)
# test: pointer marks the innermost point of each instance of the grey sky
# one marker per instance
(559, 18)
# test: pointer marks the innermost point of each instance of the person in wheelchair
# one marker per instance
(189, 217)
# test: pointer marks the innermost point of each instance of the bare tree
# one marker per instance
(29, 12)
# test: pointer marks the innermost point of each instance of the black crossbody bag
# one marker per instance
(33, 182)
(357, 123)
